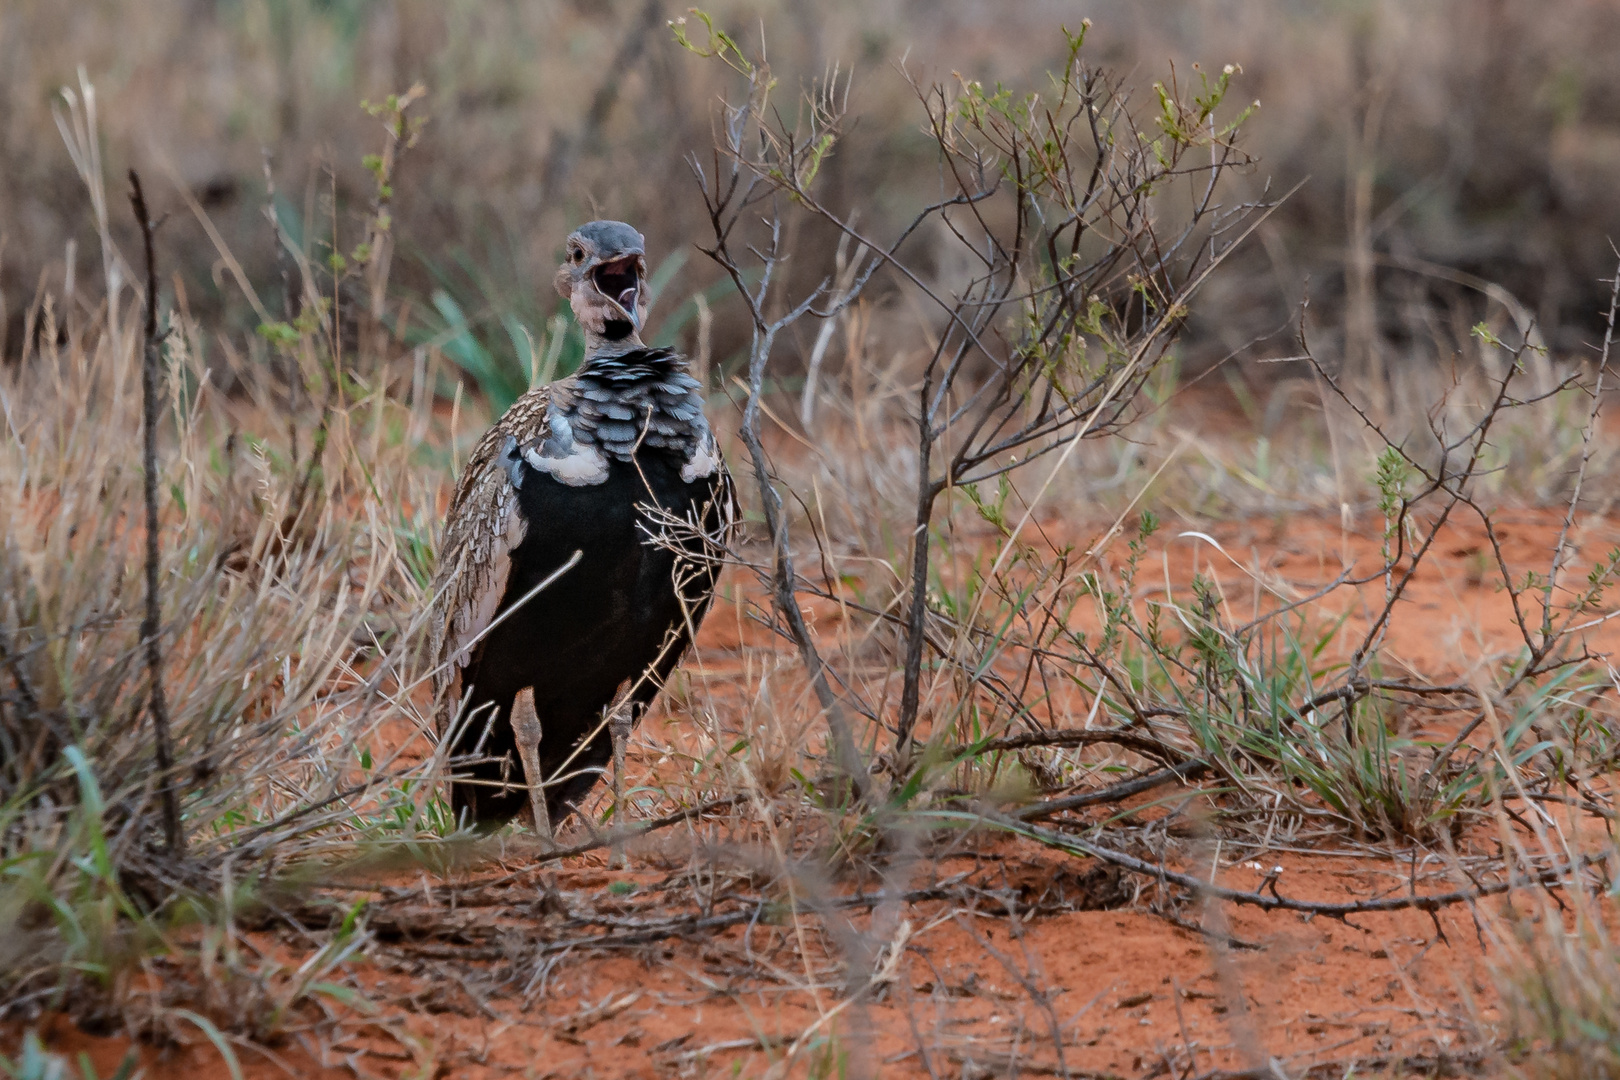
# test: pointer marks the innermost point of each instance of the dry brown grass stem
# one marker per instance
(151, 624)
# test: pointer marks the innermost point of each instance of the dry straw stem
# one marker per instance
(151, 625)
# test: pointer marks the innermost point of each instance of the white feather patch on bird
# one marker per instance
(582, 467)
(703, 462)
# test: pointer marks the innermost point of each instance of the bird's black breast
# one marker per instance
(604, 619)
(602, 622)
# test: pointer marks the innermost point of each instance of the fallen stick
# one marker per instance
(1274, 901)
(1113, 793)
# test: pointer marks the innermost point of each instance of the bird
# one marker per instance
(580, 553)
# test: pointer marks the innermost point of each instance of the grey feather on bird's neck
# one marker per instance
(640, 398)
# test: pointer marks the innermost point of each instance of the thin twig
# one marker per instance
(151, 624)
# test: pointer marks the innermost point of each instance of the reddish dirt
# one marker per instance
(1129, 989)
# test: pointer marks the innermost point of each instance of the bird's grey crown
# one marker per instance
(612, 238)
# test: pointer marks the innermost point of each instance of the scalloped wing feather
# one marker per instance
(481, 531)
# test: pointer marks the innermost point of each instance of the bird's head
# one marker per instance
(604, 278)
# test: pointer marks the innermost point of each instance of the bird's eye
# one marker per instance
(579, 255)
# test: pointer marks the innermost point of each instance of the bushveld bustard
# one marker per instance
(607, 493)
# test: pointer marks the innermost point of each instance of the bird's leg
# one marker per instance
(526, 728)
(619, 723)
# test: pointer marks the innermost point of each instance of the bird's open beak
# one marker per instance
(620, 281)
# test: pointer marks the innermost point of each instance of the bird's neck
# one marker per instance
(599, 342)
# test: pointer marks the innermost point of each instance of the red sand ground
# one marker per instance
(1130, 990)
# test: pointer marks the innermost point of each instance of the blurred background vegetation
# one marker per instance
(1441, 141)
